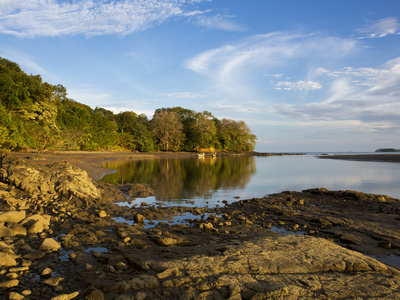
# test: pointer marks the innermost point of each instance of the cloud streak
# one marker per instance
(30, 18)
(381, 28)
(237, 70)
(300, 85)
(372, 101)
(366, 97)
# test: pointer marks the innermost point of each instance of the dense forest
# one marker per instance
(37, 115)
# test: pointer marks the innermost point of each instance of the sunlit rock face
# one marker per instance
(60, 178)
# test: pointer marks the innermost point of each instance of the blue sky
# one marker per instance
(305, 75)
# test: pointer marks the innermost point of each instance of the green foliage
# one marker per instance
(167, 129)
(235, 136)
(37, 115)
(135, 131)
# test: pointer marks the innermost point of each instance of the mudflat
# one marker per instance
(62, 236)
(395, 158)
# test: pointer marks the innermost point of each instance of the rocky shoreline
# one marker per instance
(63, 237)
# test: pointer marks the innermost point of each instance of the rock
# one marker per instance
(61, 178)
(6, 232)
(35, 255)
(36, 223)
(13, 216)
(138, 218)
(9, 284)
(18, 229)
(66, 296)
(169, 272)
(7, 260)
(11, 275)
(385, 245)
(26, 292)
(18, 269)
(16, 296)
(37, 227)
(208, 227)
(46, 272)
(49, 244)
(140, 296)
(53, 281)
(166, 241)
(284, 267)
(95, 295)
(143, 282)
(121, 266)
(350, 239)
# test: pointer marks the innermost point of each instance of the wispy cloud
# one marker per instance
(183, 95)
(221, 22)
(29, 18)
(234, 67)
(380, 28)
(373, 101)
(298, 85)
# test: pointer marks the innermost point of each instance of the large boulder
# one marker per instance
(59, 178)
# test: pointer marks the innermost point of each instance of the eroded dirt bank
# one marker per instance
(62, 237)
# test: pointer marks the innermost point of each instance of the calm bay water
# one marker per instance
(209, 181)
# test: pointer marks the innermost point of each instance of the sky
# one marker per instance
(305, 76)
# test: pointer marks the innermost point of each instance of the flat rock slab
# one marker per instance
(281, 267)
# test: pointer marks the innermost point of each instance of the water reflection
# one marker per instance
(177, 178)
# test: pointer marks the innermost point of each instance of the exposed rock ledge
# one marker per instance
(51, 215)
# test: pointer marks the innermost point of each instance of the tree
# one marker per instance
(235, 136)
(103, 131)
(167, 129)
(134, 131)
(203, 131)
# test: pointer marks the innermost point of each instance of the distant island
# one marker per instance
(387, 150)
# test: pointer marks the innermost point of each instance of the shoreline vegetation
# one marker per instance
(38, 115)
(63, 236)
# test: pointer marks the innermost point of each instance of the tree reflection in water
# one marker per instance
(184, 178)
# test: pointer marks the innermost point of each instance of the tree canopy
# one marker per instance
(37, 115)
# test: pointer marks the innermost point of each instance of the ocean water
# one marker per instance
(214, 181)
